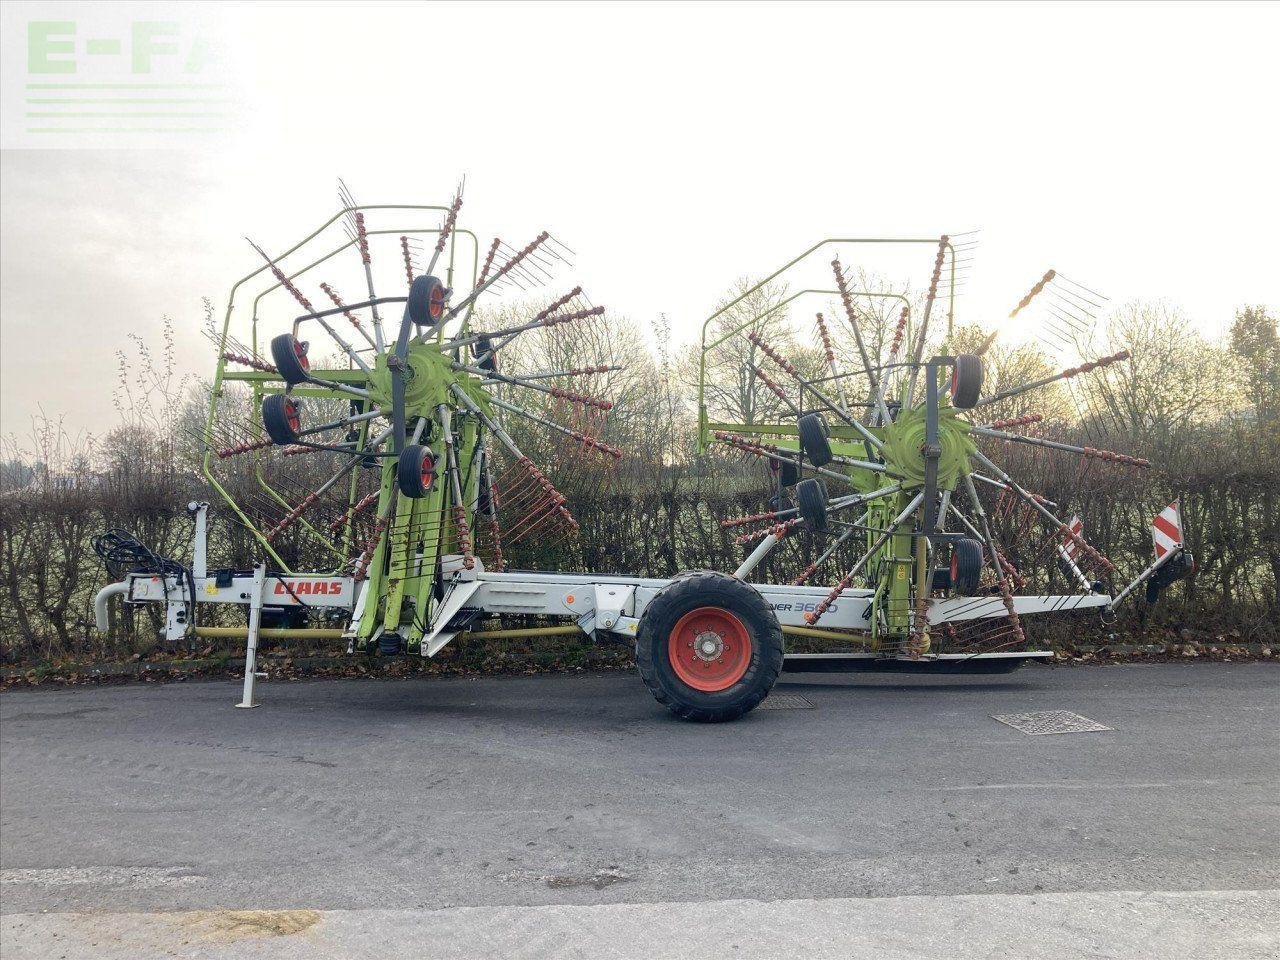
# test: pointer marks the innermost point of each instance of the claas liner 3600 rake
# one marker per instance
(395, 406)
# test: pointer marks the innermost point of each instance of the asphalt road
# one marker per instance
(893, 815)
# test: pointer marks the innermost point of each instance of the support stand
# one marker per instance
(251, 641)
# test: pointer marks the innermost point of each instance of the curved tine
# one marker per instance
(1092, 452)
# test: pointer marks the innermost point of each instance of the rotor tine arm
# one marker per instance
(580, 437)
(1044, 511)
(829, 352)
(825, 556)
(1033, 293)
(821, 397)
(362, 240)
(918, 353)
(571, 372)
(1003, 569)
(1063, 375)
(339, 386)
(344, 422)
(500, 337)
(771, 452)
(847, 299)
(351, 317)
(498, 274)
(459, 509)
(895, 346)
(306, 304)
(310, 499)
(1093, 452)
(1004, 486)
(775, 389)
(557, 392)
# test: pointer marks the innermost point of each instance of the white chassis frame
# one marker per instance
(597, 603)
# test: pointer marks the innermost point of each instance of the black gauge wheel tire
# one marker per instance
(966, 566)
(811, 498)
(290, 357)
(282, 416)
(966, 381)
(814, 439)
(427, 297)
(416, 471)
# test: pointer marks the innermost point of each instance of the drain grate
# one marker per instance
(1051, 721)
(785, 701)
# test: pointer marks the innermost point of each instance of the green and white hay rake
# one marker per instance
(380, 453)
(888, 476)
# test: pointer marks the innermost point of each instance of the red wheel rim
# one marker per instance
(955, 567)
(300, 351)
(435, 305)
(955, 379)
(293, 416)
(709, 649)
(428, 471)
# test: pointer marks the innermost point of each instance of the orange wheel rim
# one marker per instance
(709, 649)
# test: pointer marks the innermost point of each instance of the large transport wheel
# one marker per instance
(966, 381)
(709, 647)
(814, 432)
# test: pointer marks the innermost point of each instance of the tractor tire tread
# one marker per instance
(685, 592)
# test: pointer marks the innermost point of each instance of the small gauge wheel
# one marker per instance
(416, 471)
(282, 416)
(814, 434)
(427, 296)
(290, 356)
(966, 381)
(966, 566)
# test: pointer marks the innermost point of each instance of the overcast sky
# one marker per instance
(674, 147)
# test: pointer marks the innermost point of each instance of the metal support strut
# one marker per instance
(251, 641)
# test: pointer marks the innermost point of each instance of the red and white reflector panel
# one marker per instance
(1069, 545)
(1166, 530)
